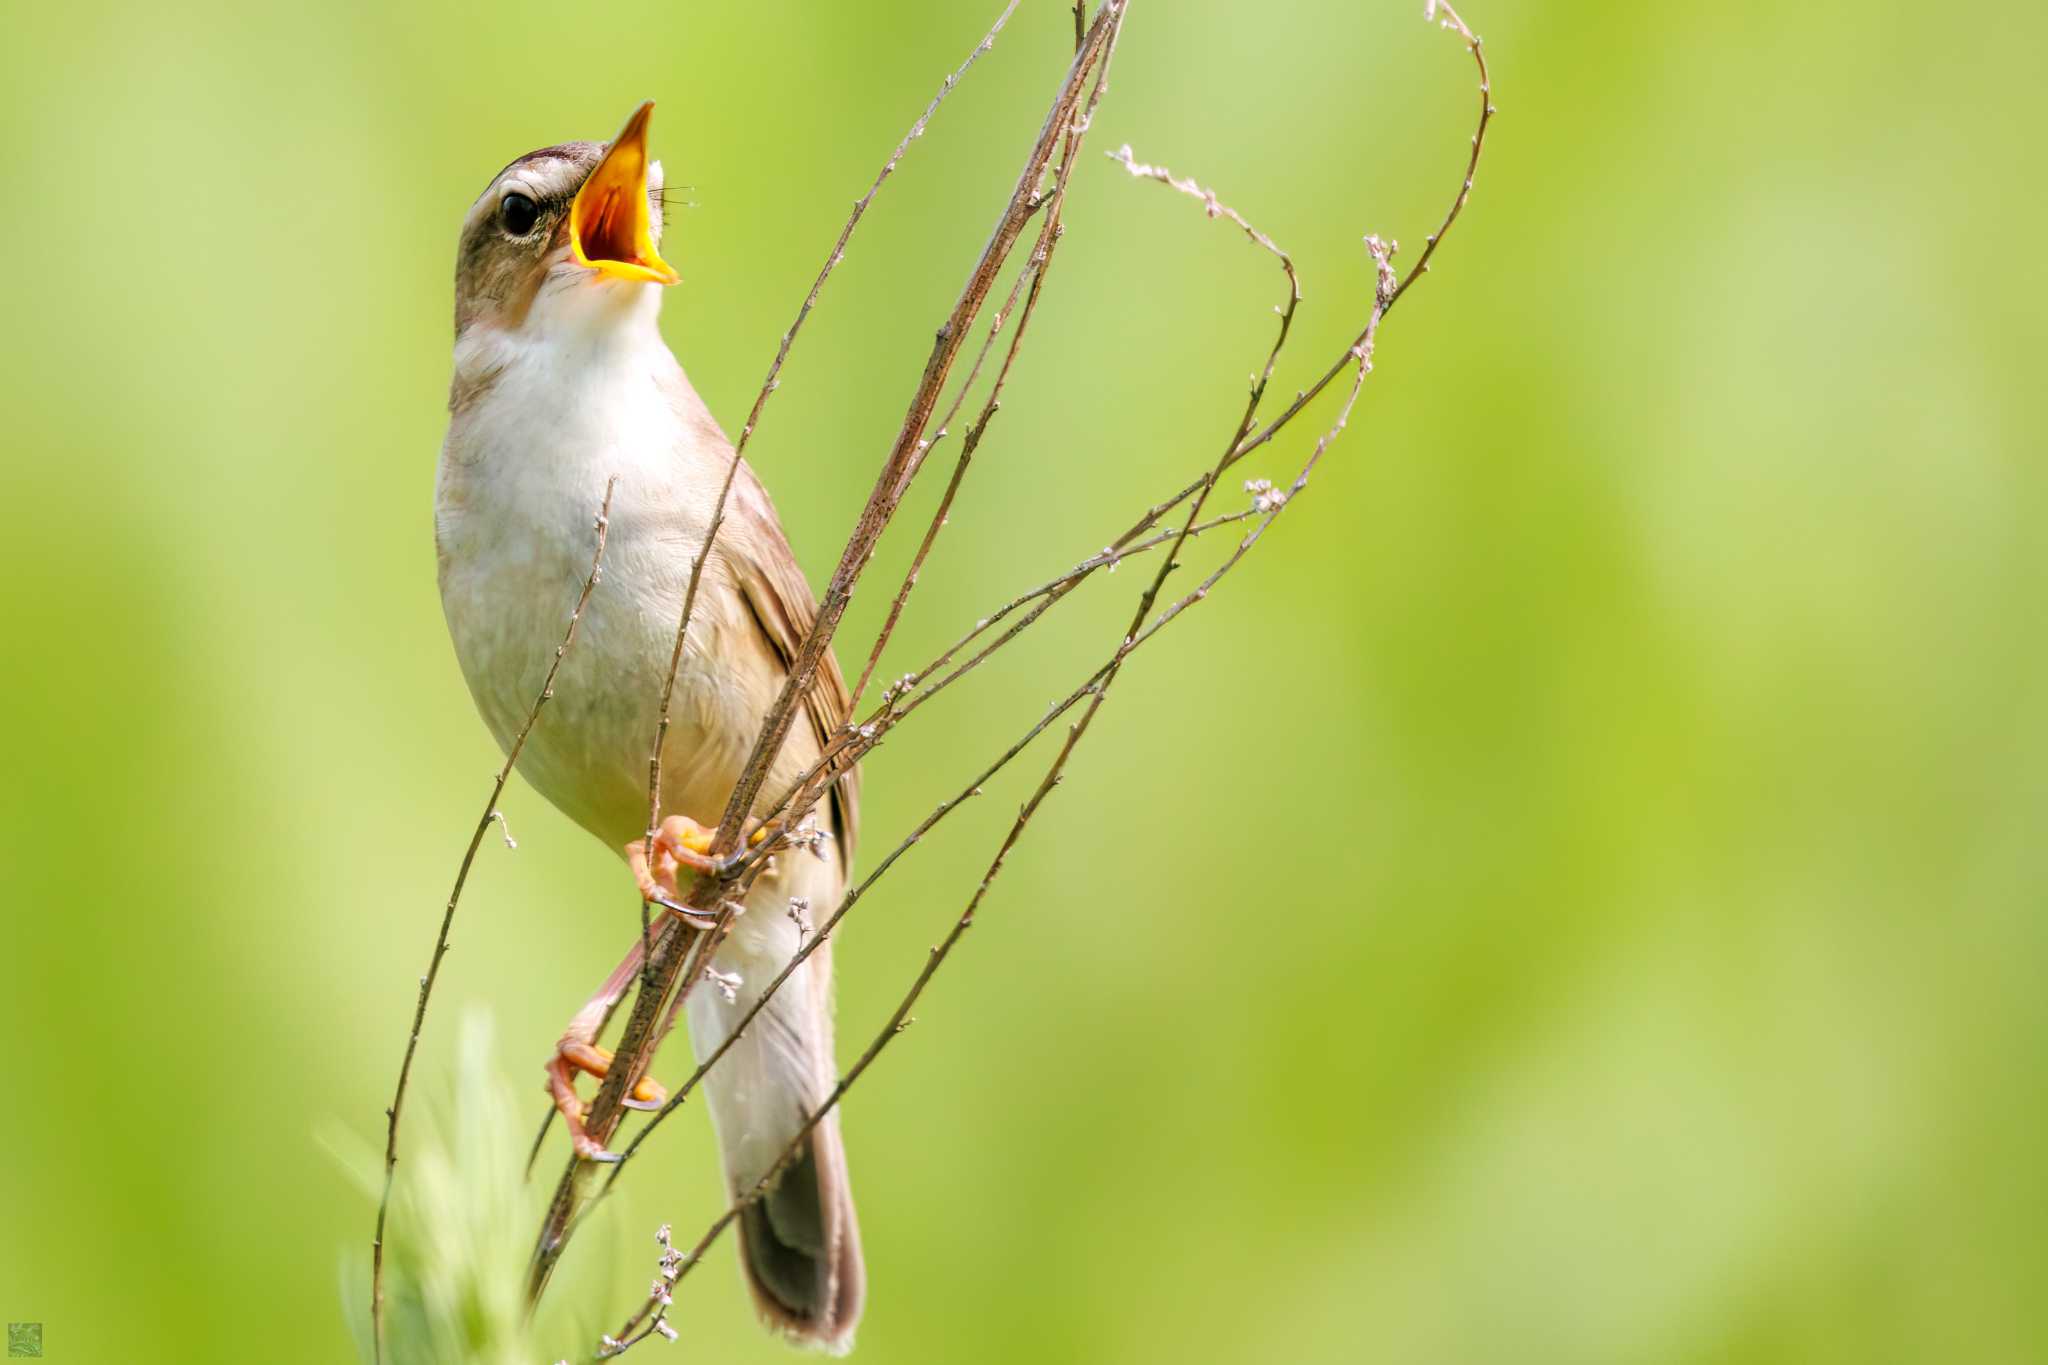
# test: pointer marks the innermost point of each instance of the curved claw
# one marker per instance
(696, 919)
(646, 1095)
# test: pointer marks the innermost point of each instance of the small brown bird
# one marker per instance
(562, 382)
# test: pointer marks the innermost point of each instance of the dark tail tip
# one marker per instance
(800, 1246)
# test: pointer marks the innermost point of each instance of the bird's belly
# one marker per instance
(509, 585)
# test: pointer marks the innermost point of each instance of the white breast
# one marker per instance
(521, 478)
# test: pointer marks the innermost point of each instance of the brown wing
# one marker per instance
(782, 602)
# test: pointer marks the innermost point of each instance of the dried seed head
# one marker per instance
(727, 983)
(1265, 497)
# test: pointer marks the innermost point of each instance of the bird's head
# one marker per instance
(579, 222)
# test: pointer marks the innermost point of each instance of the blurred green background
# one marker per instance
(1575, 895)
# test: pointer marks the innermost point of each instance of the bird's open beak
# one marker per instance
(610, 229)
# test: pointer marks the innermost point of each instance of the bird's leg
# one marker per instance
(578, 1051)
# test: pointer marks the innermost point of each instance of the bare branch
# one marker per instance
(1486, 113)
(1422, 263)
(1050, 233)
(891, 483)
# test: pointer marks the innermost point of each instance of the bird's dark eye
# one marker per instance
(518, 213)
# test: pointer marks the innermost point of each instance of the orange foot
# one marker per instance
(578, 1051)
(571, 1057)
(680, 843)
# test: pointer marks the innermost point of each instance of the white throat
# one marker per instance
(578, 323)
(575, 303)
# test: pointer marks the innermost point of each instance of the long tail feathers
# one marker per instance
(800, 1243)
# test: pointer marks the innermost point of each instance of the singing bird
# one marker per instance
(561, 383)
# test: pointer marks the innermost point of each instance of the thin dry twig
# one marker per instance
(771, 383)
(845, 750)
(1476, 47)
(890, 485)
(491, 815)
(1033, 274)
